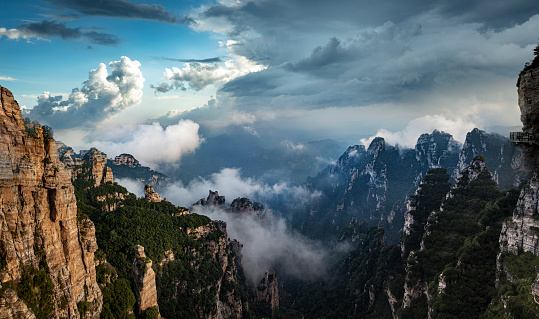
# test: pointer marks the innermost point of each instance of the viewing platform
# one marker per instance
(521, 137)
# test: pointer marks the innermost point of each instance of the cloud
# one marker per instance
(47, 29)
(209, 60)
(154, 145)
(407, 137)
(359, 54)
(133, 186)
(266, 243)
(123, 9)
(101, 96)
(231, 184)
(7, 78)
(270, 244)
(198, 75)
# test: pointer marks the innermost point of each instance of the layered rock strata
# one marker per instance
(144, 281)
(38, 218)
(151, 195)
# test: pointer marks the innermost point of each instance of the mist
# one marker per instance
(269, 243)
(230, 183)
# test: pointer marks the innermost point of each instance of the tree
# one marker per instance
(47, 132)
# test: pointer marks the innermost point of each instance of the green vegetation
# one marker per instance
(356, 287)
(186, 286)
(118, 300)
(432, 190)
(514, 286)
(36, 289)
(461, 248)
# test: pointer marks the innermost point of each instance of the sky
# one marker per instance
(163, 76)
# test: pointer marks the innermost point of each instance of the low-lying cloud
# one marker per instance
(231, 184)
(101, 96)
(269, 244)
(409, 135)
(154, 145)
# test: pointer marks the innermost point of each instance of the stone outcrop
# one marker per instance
(38, 217)
(111, 201)
(127, 166)
(245, 206)
(213, 200)
(268, 290)
(227, 255)
(144, 281)
(521, 233)
(126, 160)
(12, 307)
(151, 195)
(100, 173)
(528, 100)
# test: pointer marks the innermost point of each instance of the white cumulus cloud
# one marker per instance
(101, 96)
(197, 75)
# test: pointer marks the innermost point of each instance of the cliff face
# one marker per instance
(528, 100)
(127, 166)
(267, 292)
(100, 173)
(374, 184)
(151, 195)
(519, 239)
(520, 233)
(228, 304)
(38, 220)
(144, 281)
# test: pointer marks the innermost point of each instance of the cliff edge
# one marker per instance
(46, 252)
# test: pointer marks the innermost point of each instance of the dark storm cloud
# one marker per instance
(48, 29)
(123, 9)
(209, 60)
(362, 52)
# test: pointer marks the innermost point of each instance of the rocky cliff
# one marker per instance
(127, 166)
(519, 240)
(151, 195)
(267, 292)
(144, 281)
(374, 184)
(41, 237)
(99, 172)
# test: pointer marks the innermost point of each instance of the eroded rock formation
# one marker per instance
(268, 290)
(151, 195)
(126, 160)
(38, 220)
(100, 173)
(144, 281)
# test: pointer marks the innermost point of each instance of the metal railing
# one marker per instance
(521, 137)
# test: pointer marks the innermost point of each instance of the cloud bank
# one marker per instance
(270, 244)
(410, 55)
(103, 95)
(154, 145)
(409, 135)
(198, 75)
